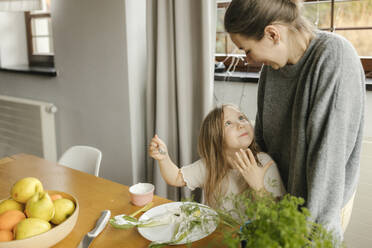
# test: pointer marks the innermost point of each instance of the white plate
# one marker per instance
(164, 233)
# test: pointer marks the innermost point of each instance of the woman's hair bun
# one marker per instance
(250, 17)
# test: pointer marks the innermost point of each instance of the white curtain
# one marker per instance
(20, 5)
(181, 42)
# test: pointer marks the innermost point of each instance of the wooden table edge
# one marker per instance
(6, 160)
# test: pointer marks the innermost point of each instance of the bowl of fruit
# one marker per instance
(33, 217)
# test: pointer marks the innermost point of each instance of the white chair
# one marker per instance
(83, 158)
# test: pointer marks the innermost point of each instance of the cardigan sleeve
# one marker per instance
(333, 133)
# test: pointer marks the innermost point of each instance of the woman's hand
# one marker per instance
(254, 175)
(158, 149)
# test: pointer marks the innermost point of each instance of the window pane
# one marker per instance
(40, 26)
(353, 13)
(45, 7)
(220, 43)
(41, 45)
(361, 40)
(231, 48)
(220, 16)
(318, 13)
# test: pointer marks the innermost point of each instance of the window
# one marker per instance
(39, 36)
(226, 51)
(349, 18)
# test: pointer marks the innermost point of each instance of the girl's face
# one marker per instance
(238, 132)
(269, 50)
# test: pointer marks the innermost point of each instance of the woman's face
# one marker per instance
(238, 132)
(269, 50)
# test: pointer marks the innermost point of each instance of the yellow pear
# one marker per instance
(10, 204)
(25, 188)
(64, 208)
(30, 227)
(40, 206)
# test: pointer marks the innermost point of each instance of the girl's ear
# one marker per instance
(272, 33)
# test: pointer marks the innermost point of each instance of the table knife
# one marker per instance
(100, 225)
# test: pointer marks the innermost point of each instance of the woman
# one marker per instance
(310, 103)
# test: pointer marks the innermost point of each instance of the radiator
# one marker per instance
(27, 126)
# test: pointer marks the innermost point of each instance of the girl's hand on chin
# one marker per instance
(245, 162)
(158, 149)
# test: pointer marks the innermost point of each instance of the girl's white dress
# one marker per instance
(195, 176)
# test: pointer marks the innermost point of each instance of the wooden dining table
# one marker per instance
(94, 195)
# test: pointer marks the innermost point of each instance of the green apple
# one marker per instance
(64, 208)
(30, 227)
(40, 206)
(25, 188)
(10, 204)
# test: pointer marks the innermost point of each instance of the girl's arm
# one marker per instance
(170, 172)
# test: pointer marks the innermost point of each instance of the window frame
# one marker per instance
(242, 66)
(36, 60)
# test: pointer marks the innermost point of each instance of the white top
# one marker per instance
(195, 175)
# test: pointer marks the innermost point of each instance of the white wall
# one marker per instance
(92, 89)
(358, 233)
(244, 95)
(368, 116)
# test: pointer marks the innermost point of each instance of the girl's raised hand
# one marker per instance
(254, 175)
(157, 149)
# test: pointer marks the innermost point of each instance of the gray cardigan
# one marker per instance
(310, 120)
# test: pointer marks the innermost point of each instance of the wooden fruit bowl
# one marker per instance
(51, 237)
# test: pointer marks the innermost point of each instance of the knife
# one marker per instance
(100, 225)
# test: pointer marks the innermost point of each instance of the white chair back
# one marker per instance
(83, 158)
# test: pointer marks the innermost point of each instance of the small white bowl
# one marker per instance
(141, 193)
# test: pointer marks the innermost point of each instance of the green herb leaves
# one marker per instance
(268, 223)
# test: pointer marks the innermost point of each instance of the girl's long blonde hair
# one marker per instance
(211, 150)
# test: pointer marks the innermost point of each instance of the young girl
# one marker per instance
(230, 159)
